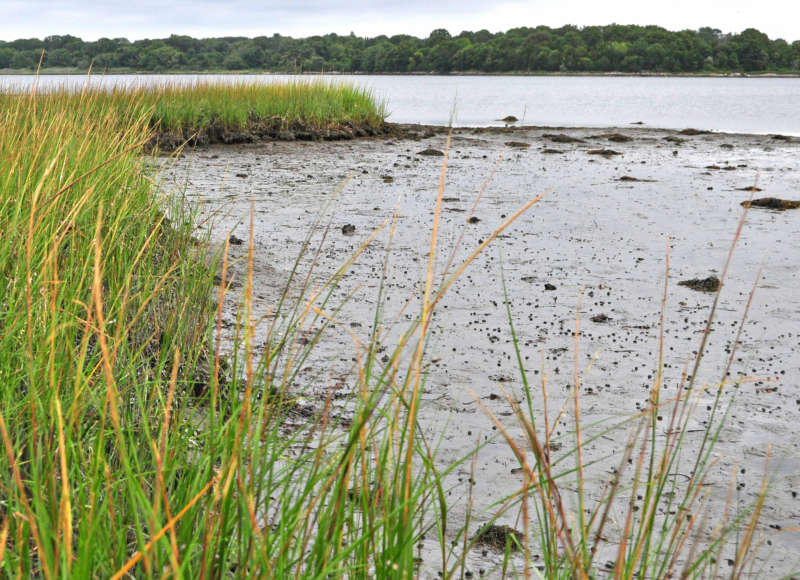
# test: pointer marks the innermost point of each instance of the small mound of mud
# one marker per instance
(710, 284)
(431, 152)
(549, 151)
(772, 203)
(603, 152)
(691, 131)
(615, 137)
(562, 138)
(631, 179)
(498, 537)
(674, 139)
(509, 119)
(781, 138)
(517, 144)
(348, 229)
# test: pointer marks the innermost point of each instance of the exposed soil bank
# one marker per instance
(601, 231)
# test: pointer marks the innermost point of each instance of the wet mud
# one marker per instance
(593, 248)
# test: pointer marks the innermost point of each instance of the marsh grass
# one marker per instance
(132, 449)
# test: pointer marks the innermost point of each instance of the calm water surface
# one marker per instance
(744, 105)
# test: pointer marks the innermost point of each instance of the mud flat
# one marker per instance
(601, 231)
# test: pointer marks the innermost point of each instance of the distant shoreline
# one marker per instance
(125, 72)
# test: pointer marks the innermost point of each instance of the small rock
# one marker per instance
(348, 229)
(549, 287)
(710, 284)
(430, 152)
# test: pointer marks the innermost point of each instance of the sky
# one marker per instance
(135, 19)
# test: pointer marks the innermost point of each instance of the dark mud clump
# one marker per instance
(498, 537)
(600, 318)
(509, 119)
(710, 284)
(674, 139)
(431, 152)
(474, 220)
(615, 137)
(549, 287)
(772, 203)
(517, 144)
(631, 179)
(750, 188)
(691, 131)
(562, 138)
(781, 137)
(548, 151)
(604, 152)
(348, 229)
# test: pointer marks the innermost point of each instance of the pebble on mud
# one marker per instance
(498, 537)
(710, 284)
(772, 203)
(431, 152)
(348, 229)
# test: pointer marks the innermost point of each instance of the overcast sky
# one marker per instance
(134, 19)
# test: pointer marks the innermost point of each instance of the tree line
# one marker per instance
(621, 48)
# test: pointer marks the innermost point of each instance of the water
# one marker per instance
(737, 105)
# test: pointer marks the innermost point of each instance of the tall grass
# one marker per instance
(132, 449)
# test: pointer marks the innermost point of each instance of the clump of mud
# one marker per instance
(604, 152)
(498, 537)
(562, 138)
(710, 284)
(772, 203)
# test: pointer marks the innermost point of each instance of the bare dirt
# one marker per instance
(599, 232)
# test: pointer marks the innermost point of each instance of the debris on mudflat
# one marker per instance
(234, 241)
(750, 188)
(549, 287)
(674, 139)
(772, 203)
(691, 131)
(498, 537)
(562, 138)
(387, 178)
(548, 151)
(473, 220)
(348, 229)
(517, 144)
(600, 318)
(781, 137)
(431, 152)
(509, 119)
(604, 152)
(710, 284)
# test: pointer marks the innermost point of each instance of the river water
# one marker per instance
(728, 104)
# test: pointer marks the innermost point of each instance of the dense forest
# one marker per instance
(619, 48)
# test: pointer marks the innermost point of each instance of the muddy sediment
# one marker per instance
(595, 246)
